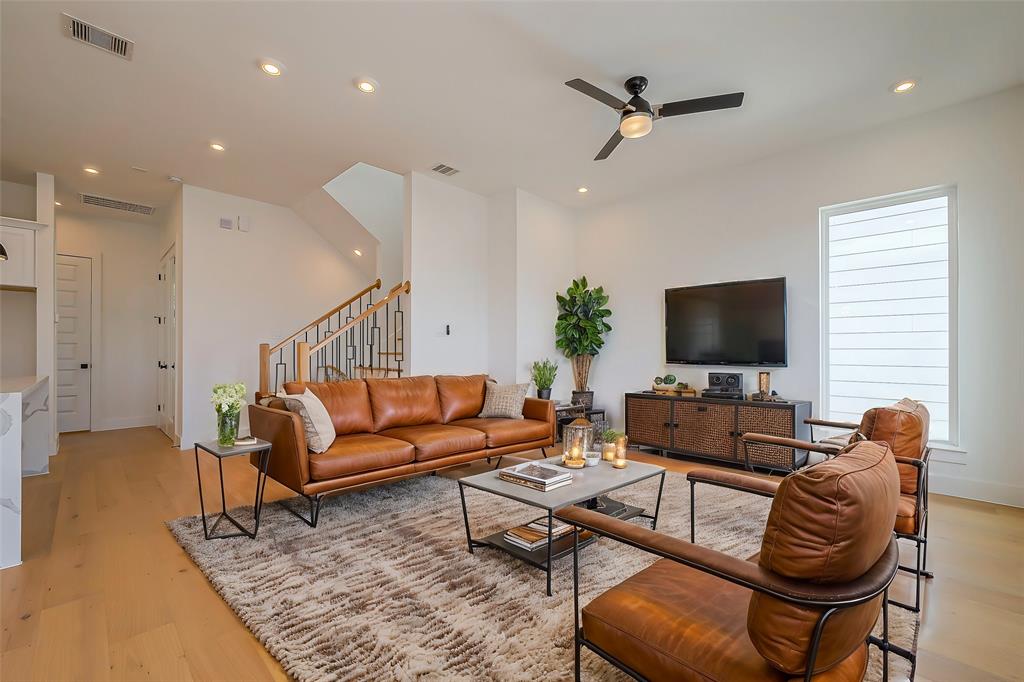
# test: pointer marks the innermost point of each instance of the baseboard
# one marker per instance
(124, 423)
(971, 489)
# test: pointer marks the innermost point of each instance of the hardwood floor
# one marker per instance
(106, 593)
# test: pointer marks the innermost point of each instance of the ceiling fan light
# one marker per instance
(636, 124)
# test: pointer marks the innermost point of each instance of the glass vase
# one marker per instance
(227, 428)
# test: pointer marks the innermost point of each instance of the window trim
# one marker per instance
(828, 212)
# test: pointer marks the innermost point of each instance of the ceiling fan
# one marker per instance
(636, 117)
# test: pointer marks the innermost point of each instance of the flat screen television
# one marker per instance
(732, 323)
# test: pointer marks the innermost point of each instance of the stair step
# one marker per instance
(388, 352)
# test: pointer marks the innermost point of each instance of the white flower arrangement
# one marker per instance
(228, 398)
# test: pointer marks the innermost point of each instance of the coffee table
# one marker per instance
(589, 487)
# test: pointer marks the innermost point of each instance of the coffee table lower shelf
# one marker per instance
(538, 558)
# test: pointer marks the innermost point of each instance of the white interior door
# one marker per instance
(167, 373)
(74, 343)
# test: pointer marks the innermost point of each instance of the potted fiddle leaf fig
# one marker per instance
(580, 330)
(543, 375)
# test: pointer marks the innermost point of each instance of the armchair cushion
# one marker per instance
(906, 515)
(904, 426)
(661, 622)
(829, 524)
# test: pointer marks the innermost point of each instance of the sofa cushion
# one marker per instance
(356, 453)
(437, 440)
(348, 403)
(661, 623)
(409, 401)
(507, 431)
(460, 397)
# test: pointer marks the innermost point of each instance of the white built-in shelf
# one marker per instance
(22, 223)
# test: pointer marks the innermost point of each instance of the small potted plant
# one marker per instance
(228, 400)
(543, 374)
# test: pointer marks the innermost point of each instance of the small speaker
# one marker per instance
(729, 380)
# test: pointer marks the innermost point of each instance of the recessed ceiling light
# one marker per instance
(140, 169)
(91, 171)
(903, 86)
(174, 178)
(582, 190)
(57, 203)
(216, 146)
(357, 252)
(367, 85)
(271, 67)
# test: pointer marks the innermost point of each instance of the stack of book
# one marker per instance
(543, 477)
(534, 535)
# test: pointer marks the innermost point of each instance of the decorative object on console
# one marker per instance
(668, 384)
(228, 400)
(724, 385)
(543, 375)
(764, 388)
(504, 402)
(579, 332)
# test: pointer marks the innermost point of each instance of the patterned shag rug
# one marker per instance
(385, 589)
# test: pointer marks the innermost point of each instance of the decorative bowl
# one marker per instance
(593, 457)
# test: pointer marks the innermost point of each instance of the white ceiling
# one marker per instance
(475, 85)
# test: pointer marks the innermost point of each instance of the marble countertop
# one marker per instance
(20, 384)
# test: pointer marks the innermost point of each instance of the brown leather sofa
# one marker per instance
(803, 607)
(391, 428)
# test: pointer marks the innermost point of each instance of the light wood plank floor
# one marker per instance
(106, 593)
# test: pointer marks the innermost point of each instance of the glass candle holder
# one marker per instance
(579, 433)
(608, 451)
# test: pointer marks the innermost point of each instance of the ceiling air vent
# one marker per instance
(116, 204)
(96, 36)
(445, 170)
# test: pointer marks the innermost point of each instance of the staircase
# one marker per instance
(359, 338)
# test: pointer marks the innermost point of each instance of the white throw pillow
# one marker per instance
(316, 421)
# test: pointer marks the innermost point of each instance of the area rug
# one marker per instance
(385, 589)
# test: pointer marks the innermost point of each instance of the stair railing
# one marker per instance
(284, 354)
(369, 345)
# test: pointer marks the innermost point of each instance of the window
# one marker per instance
(889, 306)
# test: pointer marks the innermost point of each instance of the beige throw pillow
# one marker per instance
(504, 401)
(316, 420)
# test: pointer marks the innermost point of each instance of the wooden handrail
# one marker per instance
(314, 323)
(401, 288)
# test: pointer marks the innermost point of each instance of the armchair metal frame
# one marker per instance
(738, 572)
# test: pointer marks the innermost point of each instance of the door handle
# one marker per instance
(161, 365)
(84, 365)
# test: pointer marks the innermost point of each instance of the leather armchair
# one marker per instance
(803, 607)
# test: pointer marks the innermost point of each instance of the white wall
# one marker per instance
(502, 214)
(761, 220)
(375, 197)
(545, 264)
(449, 269)
(125, 256)
(46, 285)
(243, 288)
(17, 200)
(17, 333)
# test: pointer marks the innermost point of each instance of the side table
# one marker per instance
(214, 448)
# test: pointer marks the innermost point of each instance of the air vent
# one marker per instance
(445, 170)
(116, 204)
(96, 36)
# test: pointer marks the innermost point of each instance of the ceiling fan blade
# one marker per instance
(609, 146)
(694, 106)
(596, 92)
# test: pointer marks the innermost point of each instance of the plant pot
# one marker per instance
(227, 428)
(584, 398)
(544, 393)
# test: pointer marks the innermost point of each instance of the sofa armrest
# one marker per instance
(541, 410)
(764, 487)
(289, 457)
(744, 573)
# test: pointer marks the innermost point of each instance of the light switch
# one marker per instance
(244, 223)
(227, 223)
